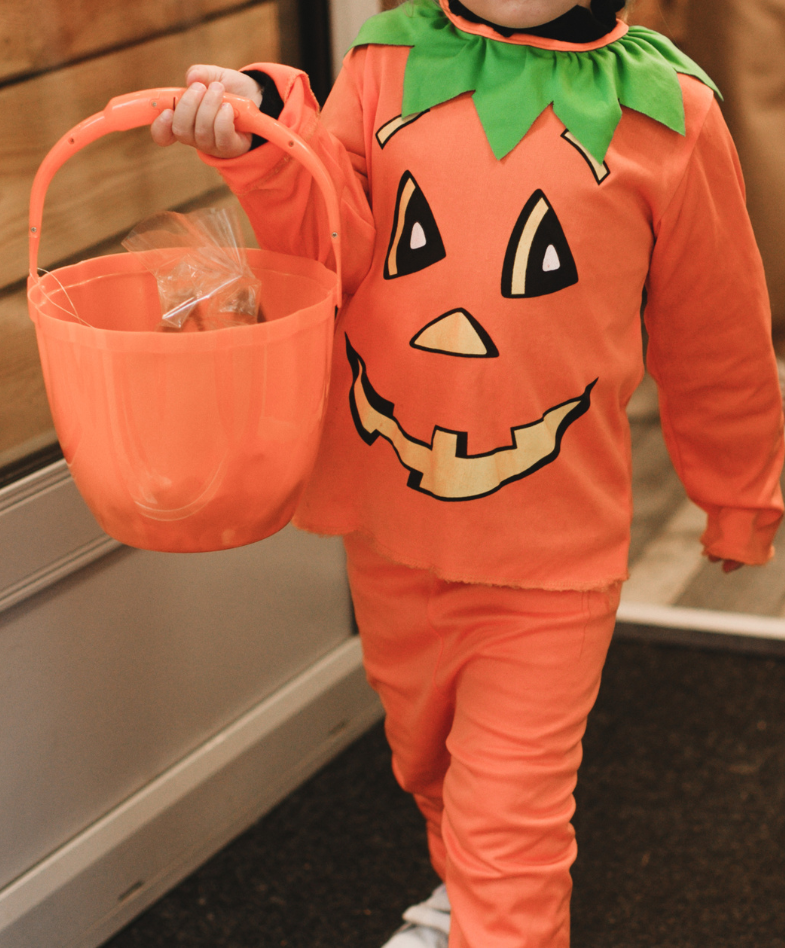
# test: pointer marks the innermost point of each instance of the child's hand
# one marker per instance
(728, 566)
(201, 120)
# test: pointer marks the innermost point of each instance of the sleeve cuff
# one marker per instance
(741, 534)
(271, 104)
(299, 112)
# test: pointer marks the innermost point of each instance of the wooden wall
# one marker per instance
(665, 16)
(60, 62)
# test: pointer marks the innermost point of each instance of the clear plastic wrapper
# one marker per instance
(199, 262)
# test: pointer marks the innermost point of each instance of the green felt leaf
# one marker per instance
(451, 70)
(661, 95)
(513, 84)
(586, 101)
(508, 102)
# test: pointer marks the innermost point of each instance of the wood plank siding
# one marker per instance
(37, 35)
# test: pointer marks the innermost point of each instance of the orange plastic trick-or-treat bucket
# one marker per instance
(184, 442)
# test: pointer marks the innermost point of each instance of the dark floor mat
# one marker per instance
(681, 825)
(681, 816)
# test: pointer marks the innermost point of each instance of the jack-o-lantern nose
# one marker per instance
(456, 333)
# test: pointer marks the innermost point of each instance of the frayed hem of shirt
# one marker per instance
(472, 579)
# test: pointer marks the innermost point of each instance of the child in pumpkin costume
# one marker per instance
(506, 196)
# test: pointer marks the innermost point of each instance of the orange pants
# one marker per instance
(487, 690)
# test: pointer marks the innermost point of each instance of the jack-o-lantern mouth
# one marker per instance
(444, 468)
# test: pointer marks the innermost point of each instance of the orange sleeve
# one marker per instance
(710, 352)
(281, 199)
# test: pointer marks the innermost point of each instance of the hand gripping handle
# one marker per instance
(142, 108)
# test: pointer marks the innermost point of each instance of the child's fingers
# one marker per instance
(206, 114)
(214, 129)
(201, 120)
(728, 566)
(203, 74)
(229, 143)
(233, 81)
(185, 114)
(161, 129)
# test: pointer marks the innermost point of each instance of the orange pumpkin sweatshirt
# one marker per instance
(490, 336)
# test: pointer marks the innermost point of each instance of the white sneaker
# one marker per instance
(427, 924)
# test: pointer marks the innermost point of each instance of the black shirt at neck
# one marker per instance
(579, 25)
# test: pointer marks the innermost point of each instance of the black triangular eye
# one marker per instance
(538, 259)
(415, 242)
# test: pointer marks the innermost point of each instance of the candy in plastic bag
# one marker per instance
(199, 262)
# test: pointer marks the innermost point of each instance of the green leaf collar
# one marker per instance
(514, 83)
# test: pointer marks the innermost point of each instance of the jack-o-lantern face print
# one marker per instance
(534, 260)
(415, 242)
(538, 260)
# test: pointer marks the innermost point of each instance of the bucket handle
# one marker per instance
(141, 108)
